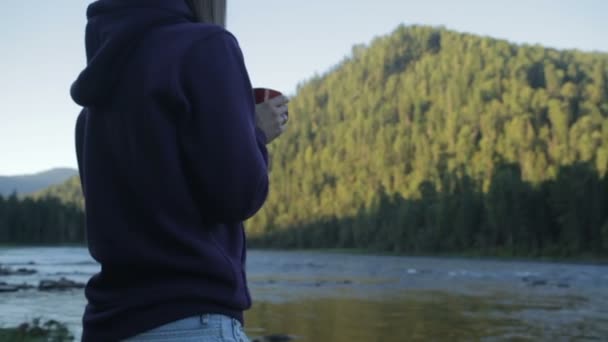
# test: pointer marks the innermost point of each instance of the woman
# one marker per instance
(172, 158)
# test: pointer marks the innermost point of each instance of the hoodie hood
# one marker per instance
(114, 30)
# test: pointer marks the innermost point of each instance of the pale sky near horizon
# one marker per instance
(284, 42)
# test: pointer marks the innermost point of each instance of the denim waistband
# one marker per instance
(208, 325)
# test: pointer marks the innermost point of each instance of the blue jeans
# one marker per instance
(204, 328)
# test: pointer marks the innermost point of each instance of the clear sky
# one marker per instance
(284, 42)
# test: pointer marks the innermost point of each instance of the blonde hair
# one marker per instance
(209, 11)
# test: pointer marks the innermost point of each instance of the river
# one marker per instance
(327, 297)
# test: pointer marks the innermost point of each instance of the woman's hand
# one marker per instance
(271, 117)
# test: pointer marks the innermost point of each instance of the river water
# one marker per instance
(325, 297)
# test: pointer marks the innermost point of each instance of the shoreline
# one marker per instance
(579, 260)
(471, 255)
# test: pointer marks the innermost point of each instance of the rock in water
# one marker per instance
(538, 282)
(59, 285)
(25, 271)
(7, 271)
(4, 288)
(534, 282)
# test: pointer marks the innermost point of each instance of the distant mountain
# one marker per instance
(25, 184)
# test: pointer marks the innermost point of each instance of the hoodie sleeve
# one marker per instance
(81, 124)
(225, 154)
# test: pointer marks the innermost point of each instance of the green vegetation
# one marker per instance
(514, 218)
(431, 141)
(37, 331)
(39, 221)
(68, 192)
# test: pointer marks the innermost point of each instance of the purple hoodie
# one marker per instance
(171, 165)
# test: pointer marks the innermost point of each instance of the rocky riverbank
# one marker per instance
(37, 331)
(61, 284)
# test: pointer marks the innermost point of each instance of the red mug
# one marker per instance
(264, 94)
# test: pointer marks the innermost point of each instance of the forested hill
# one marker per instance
(429, 140)
(68, 192)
